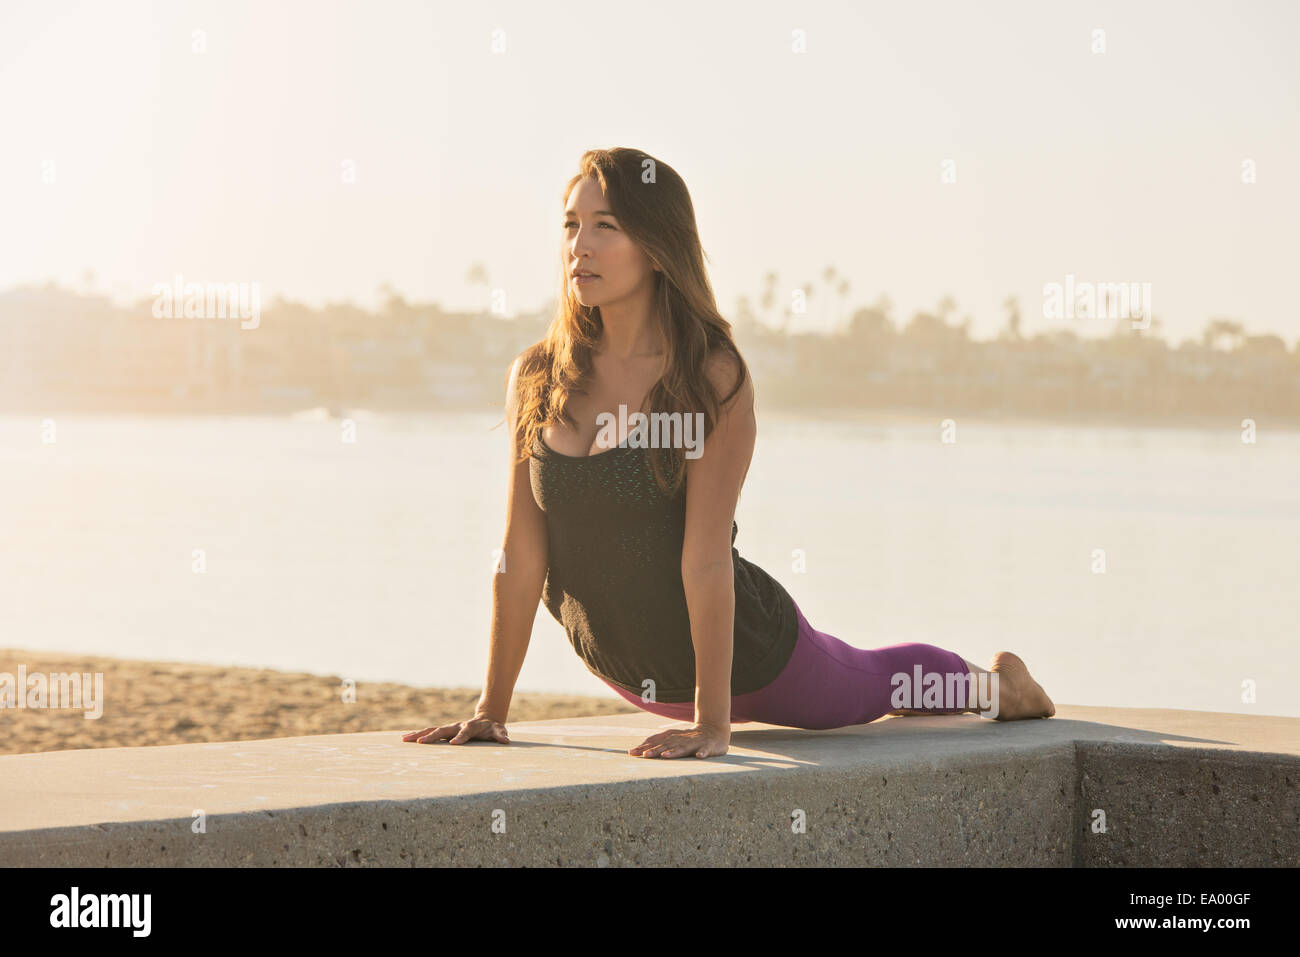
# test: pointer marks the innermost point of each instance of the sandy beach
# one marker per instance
(152, 703)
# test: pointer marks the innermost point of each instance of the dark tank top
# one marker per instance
(614, 579)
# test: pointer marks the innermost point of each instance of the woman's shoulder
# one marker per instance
(527, 364)
(522, 377)
(531, 359)
(723, 367)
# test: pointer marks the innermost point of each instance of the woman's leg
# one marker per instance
(1011, 696)
(829, 683)
(974, 670)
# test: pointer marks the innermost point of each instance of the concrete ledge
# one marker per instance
(1177, 788)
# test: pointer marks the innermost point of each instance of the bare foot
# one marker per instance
(1019, 695)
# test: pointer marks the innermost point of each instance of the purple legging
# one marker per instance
(827, 684)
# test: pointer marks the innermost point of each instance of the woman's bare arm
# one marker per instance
(713, 486)
(517, 590)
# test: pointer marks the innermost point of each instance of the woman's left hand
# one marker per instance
(701, 740)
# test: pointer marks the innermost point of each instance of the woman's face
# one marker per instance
(594, 242)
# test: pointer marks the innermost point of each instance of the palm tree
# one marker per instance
(786, 313)
(840, 290)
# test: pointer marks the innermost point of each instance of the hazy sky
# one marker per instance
(1122, 166)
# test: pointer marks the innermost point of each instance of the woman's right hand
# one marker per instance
(480, 727)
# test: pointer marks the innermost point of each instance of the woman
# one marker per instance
(637, 560)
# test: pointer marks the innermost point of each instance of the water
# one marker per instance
(373, 560)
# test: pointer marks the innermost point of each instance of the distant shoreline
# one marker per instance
(983, 418)
(766, 411)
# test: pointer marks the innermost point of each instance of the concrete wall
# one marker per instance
(1177, 788)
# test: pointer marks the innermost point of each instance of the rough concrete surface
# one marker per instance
(1090, 787)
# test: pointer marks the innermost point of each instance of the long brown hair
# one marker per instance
(654, 208)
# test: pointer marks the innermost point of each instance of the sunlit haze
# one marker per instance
(132, 156)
